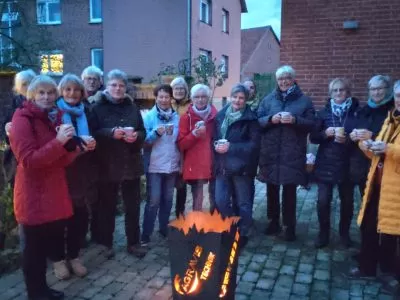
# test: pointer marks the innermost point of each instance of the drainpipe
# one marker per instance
(189, 35)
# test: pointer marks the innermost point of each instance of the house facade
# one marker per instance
(138, 36)
(327, 39)
(260, 51)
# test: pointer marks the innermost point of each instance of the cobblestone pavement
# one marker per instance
(269, 268)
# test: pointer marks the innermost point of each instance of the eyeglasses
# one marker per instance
(116, 85)
(203, 97)
(91, 79)
(379, 88)
(179, 89)
(285, 78)
(338, 90)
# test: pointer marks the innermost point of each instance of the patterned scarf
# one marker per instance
(204, 113)
(52, 115)
(340, 109)
(253, 103)
(78, 112)
(164, 115)
(230, 118)
(288, 92)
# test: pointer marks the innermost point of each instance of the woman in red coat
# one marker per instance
(41, 200)
(194, 141)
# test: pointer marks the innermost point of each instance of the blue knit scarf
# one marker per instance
(78, 112)
(371, 103)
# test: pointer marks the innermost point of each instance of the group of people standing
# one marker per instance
(79, 144)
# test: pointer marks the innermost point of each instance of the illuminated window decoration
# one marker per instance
(52, 63)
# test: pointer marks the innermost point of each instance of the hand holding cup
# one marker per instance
(221, 146)
(330, 132)
(118, 133)
(7, 128)
(286, 117)
(378, 147)
(64, 133)
(363, 134)
(160, 130)
(90, 142)
(276, 119)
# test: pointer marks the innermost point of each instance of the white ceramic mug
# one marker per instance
(169, 129)
(220, 142)
(62, 126)
(129, 131)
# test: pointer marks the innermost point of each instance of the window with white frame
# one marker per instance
(95, 11)
(224, 65)
(225, 21)
(206, 11)
(52, 62)
(48, 12)
(9, 20)
(97, 57)
(206, 55)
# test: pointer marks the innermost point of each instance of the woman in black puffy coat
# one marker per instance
(286, 116)
(334, 123)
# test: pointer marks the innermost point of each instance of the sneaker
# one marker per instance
(137, 250)
(54, 294)
(78, 268)
(61, 270)
(273, 228)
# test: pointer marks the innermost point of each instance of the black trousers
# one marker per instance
(41, 242)
(346, 195)
(76, 231)
(288, 204)
(108, 207)
(376, 248)
(93, 209)
(181, 193)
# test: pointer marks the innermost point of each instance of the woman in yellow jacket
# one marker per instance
(379, 217)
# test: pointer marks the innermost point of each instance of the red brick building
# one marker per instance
(324, 39)
(135, 36)
(259, 51)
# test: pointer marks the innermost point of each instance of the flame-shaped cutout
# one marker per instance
(204, 221)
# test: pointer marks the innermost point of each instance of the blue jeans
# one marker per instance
(160, 202)
(241, 186)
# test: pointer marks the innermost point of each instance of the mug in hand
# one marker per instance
(199, 124)
(169, 129)
(63, 126)
(285, 114)
(128, 131)
(220, 142)
(339, 131)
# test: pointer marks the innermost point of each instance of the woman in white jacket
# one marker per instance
(162, 124)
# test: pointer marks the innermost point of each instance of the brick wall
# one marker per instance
(314, 42)
(75, 36)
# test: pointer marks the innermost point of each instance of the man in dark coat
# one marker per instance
(286, 117)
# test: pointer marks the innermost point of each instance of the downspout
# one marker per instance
(189, 36)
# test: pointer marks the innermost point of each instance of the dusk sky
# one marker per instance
(262, 13)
